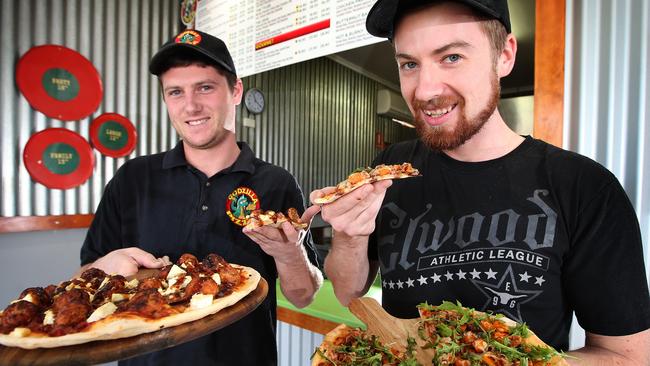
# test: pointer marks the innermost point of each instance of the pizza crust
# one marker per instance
(328, 343)
(114, 327)
(354, 181)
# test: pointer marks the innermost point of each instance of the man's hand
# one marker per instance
(354, 214)
(299, 279)
(127, 261)
(284, 243)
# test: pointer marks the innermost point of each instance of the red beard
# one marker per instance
(437, 138)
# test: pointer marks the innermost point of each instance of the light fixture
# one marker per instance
(405, 124)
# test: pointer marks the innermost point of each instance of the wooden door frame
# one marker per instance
(550, 23)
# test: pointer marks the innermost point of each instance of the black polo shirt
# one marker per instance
(165, 206)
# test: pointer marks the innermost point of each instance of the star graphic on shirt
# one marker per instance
(539, 280)
(475, 274)
(524, 277)
(491, 274)
(436, 278)
(505, 297)
(391, 284)
(422, 280)
(400, 284)
(383, 283)
(461, 274)
(450, 276)
(410, 282)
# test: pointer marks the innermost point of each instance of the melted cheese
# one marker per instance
(27, 297)
(132, 284)
(20, 332)
(175, 271)
(102, 312)
(105, 281)
(199, 301)
(120, 297)
(217, 278)
(48, 318)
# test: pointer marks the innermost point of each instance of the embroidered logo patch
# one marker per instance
(241, 202)
(189, 37)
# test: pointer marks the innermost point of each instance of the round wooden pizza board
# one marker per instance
(119, 349)
(389, 329)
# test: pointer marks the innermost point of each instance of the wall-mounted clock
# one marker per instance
(254, 100)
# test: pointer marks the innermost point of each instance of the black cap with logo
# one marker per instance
(193, 41)
(381, 18)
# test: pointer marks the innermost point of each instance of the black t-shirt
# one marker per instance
(165, 206)
(535, 235)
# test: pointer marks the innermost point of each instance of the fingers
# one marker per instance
(146, 259)
(309, 213)
(320, 193)
(354, 214)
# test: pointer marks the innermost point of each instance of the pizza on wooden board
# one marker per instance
(453, 334)
(259, 218)
(465, 337)
(98, 306)
(368, 175)
(347, 346)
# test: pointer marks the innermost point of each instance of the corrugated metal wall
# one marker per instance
(295, 345)
(118, 37)
(607, 93)
(319, 122)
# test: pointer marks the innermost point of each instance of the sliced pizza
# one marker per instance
(347, 346)
(259, 218)
(464, 336)
(368, 175)
(98, 306)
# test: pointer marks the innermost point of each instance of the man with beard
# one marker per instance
(497, 221)
(191, 200)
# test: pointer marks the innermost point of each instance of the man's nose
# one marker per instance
(430, 84)
(192, 103)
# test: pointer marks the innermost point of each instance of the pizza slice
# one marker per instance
(368, 175)
(99, 306)
(464, 336)
(259, 218)
(347, 346)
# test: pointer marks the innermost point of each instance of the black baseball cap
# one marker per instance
(381, 18)
(193, 41)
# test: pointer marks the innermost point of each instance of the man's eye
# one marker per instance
(408, 65)
(173, 93)
(206, 87)
(452, 58)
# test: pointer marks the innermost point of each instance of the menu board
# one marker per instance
(266, 34)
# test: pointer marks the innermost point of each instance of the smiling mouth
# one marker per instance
(439, 112)
(197, 122)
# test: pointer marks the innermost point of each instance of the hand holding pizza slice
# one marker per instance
(260, 218)
(364, 176)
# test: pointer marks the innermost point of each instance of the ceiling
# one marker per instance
(376, 61)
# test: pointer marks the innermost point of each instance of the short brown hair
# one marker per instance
(496, 34)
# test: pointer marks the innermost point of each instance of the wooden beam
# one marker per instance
(40, 223)
(305, 321)
(550, 24)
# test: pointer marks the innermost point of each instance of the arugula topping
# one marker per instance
(459, 333)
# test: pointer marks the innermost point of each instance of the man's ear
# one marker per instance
(506, 60)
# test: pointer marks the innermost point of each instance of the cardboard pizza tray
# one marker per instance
(119, 349)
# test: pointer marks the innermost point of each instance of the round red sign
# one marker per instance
(59, 82)
(58, 158)
(113, 135)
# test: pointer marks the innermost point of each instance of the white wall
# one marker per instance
(37, 259)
